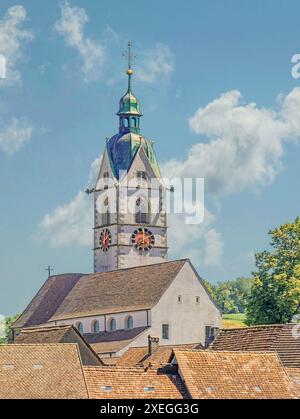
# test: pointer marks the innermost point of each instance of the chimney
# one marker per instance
(153, 343)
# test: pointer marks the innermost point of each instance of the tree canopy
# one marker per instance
(275, 294)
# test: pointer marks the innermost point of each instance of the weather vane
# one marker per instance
(128, 54)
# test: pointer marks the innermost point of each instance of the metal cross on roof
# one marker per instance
(129, 54)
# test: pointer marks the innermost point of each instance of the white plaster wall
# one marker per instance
(139, 320)
(187, 319)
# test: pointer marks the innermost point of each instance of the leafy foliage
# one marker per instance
(8, 323)
(231, 296)
(275, 295)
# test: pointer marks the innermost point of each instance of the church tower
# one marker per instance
(130, 222)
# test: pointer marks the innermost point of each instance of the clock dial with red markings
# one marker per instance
(105, 240)
(143, 239)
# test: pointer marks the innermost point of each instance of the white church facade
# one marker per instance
(134, 292)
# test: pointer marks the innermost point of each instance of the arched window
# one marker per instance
(126, 122)
(95, 326)
(112, 325)
(134, 122)
(79, 327)
(141, 211)
(129, 322)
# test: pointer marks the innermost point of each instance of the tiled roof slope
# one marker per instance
(234, 375)
(279, 338)
(132, 383)
(294, 374)
(130, 289)
(132, 357)
(111, 342)
(59, 334)
(49, 371)
(161, 356)
(47, 300)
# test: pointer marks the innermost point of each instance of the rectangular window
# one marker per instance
(210, 334)
(106, 218)
(141, 218)
(141, 175)
(197, 299)
(165, 331)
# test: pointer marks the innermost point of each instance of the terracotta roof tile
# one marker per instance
(278, 338)
(111, 342)
(132, 357)
(48, 371)
(59, 334)
(294, 374)
(132, 383)
(234, 375)
(130, 289)
(47, 300)
(163, 354)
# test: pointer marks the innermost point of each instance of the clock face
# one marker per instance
(105, 240)
(143, 239)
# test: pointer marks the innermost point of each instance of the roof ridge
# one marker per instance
(124, 269)
(266, 352)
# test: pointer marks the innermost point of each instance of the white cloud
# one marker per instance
(12, 39)
(71, 26)
(243, 149)
(156, 63)
(213, 248)
(73, 222)
(15, 135)
(242, 144)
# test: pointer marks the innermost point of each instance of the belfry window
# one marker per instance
(141, 215)
(126, 122)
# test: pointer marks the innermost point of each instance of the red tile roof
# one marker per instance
(280, 338)
(132, 383)
(44, 371)
(234, 375)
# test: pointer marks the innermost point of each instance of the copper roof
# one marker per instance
(279, 338)
(234, 375)
(48, 371)
(132, 383)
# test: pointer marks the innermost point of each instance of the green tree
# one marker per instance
(7, 328)
(231, 296)
(275, 294)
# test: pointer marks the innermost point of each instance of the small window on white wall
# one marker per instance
(165, 331)
(129, 323)
(112, 325)
(197, 299)
(95, 326)
(179, 298)
(79, 327)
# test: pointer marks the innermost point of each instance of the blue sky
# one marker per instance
(58, 103)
